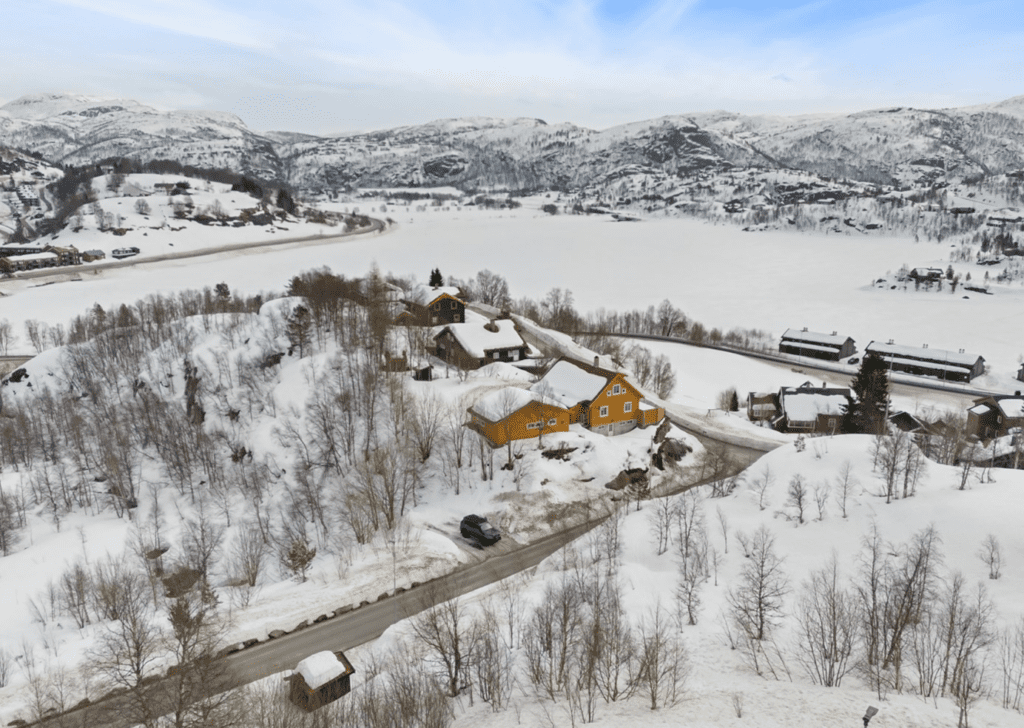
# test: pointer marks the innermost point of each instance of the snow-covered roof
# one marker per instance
(477, 340)
(1012, 406)
(568, 384)
(320, 668)
(940, 355)
(36, 256)
(814, 337)
(425, 295)
(810, 347)
(497, 405)
(980, 409)
(804, 407)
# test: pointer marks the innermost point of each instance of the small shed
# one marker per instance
(320, 679)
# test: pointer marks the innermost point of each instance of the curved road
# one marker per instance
(375, 226)
(369, 622)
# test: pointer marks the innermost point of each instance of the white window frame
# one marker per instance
(627, 407)
(495, 354)
(552, 422)
(616, 389)
(603, 412)
(532, 426)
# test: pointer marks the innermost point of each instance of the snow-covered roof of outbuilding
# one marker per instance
(320, 668)
(804, 407)
(477, 340)
(425, 295)
(499, 404)
(568, 384)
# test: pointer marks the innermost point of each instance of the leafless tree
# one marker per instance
(827, 624)
(797, 492)
(723, 524)
(196, 688)
(444, 630)
(127, 651)
(248, 553)
(821, 493)
(845, 483)
(756, 602)
(1010, 654)
(663, 662)
(661, 518)
(992, 554)
(427, 418)
(7, 336)
(762, 483)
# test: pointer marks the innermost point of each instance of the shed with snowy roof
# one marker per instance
(512, 413)
(320, 679)
(471, 345)
(819, 346)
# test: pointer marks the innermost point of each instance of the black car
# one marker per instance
(476, 528)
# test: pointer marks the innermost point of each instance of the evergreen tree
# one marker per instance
(298, 556)
(871, 397)
(734, 402)
(298, 329)
(435, 277)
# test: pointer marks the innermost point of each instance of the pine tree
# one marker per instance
(436, 279)
(298, 557)
(298, 329)
(871, 395)
(734, 402)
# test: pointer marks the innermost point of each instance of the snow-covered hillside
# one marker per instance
(892, 147)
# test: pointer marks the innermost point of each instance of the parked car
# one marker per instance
(853, 360)
(476, 528)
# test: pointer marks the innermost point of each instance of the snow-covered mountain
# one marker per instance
(75, 129)
(897, 146)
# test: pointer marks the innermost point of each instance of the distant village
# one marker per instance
(598, 396)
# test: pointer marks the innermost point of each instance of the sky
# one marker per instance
(327, 66)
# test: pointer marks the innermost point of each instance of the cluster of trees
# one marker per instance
(900, 621)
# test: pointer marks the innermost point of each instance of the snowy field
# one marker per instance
(720, 276)
(718, 673)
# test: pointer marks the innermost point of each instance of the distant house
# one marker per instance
(432, 306)
(32, 261)
(812, 409)
(995, 415)
(816, 345)
(1020, 373)
(472, 345)
(927, 274)
(601, 400)
(90, 255)
(762, 406)
(516, 414)
(320, 679)
(946, 365)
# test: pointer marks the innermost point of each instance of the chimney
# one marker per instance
(597, 360)
(804, 328)
(924, 346)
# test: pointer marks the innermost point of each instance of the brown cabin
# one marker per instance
(320, 679)
(426, 306)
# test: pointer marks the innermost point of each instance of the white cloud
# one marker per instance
(186, 17)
